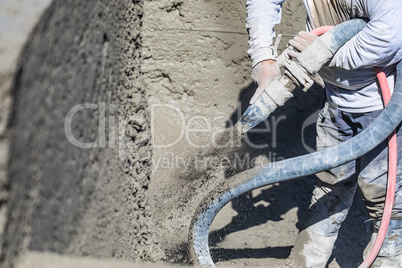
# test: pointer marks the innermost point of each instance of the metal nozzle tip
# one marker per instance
(239, 127)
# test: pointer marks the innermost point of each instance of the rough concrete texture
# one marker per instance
(165, 78)
(73, 200)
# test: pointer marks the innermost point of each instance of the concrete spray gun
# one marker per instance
(302, 72)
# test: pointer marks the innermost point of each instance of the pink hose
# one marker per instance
(392, 166)
(392, 170)
(321, 30)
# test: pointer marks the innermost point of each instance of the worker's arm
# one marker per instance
(379, 43)
(262, 16)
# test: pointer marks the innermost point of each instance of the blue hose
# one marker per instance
(289, 169)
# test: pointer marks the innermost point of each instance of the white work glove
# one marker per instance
(263, 74)
(300, 42)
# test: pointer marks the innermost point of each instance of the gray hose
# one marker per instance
(289, 169)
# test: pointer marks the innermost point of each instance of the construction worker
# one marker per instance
(353, 101)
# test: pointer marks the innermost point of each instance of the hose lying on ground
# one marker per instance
(289, 169)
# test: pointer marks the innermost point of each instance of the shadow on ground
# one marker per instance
(354, 234)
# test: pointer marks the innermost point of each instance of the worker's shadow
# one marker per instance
(282, 135)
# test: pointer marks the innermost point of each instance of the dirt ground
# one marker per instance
(177, 74)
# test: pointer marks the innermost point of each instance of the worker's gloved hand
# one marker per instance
(263, 74)
(300, 42)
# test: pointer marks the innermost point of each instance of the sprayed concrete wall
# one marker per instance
(17, 20)
(67, 199)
